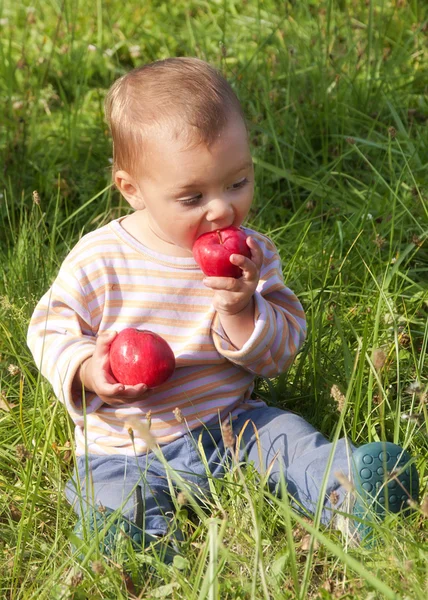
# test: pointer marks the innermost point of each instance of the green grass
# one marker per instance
(335, 94)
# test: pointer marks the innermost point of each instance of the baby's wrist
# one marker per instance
(239, 326)
(81, 378)
(239, 311)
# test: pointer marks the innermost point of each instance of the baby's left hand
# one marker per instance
(233, 295)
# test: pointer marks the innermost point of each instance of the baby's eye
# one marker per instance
(190, 201)
(196, 199)
(239, 184)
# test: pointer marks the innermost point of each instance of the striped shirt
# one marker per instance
(110, 281)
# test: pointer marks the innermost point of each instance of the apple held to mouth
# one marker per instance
(141, 356)
(213, 250)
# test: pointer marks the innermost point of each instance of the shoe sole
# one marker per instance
(385, 480)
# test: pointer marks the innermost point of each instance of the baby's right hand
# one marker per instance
(95, 375)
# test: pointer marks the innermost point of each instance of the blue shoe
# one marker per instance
(111, 532)
(385, 480)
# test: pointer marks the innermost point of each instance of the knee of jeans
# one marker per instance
(123, 497)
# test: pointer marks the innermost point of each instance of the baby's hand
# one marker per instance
(233, 295)
(95, 374)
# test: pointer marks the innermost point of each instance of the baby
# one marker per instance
(182, 160)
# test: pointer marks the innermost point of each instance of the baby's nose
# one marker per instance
(219, 210)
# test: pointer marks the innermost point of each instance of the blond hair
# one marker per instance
(187, 96)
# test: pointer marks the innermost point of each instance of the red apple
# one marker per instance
(213, 250)
(140, 356)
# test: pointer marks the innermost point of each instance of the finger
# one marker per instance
(104, 341)
(133, 391)
(111, 387)
(122, 392)
(256, 251)
(108, 390)
(221, 283)
(250, 270)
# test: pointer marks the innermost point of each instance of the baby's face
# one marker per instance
(188, 192)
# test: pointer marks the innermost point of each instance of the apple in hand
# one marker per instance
(213, 250)
(141, 356)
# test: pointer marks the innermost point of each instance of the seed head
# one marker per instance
(344, 481)
(412, 417)
(179, 417)
(404, 340)
(228, 436)
(376, 399)
(36, 198)
(76, 579)
(143, 431)
(22, 454)
(13, 370)
(414, 388)
(334, 497)
(97, 567)
(67, 453)
(392, 132)
(182, 499)
(379, 241)
(338, 397)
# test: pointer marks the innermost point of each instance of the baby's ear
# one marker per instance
(129, 189)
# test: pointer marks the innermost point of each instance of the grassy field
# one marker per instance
(336, 98)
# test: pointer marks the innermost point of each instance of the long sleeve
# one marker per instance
(110, 281)
(60, 338)
(280, 325)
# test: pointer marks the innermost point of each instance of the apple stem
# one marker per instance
(219, 237)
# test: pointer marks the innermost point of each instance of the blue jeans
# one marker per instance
(138, 485)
